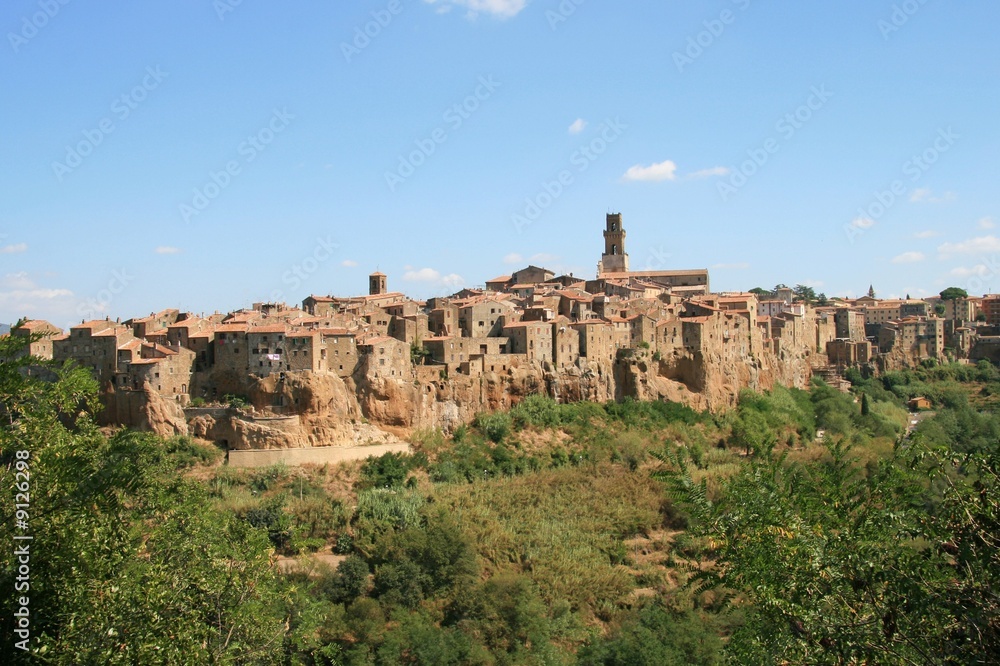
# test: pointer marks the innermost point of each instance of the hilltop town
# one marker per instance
(366, 368)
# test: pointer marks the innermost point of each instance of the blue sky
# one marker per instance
(205, 154)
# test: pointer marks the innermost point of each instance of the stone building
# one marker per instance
(531, 338)
(382, 357)
(918, 337)
(159, 321)
(266, 347)
(93, 345)
(850, 324)
(231, 348)
(304, 352)
(42, 347)
(847, 352)
(531, 275)
(614, 259)
(339, 349)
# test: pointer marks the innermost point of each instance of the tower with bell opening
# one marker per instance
(614, 259)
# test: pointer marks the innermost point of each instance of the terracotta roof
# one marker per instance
(232, 328)
(377, 340)
(188, 323)
(161, 349)
(273, 328)
(500, 278)
(654, 274)
(591, 322)
(523, 324)
(96, 324)
(32, 324)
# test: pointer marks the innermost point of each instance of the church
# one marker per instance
(614, 265)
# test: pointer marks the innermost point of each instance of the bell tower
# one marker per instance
(614, 259)
(377, 284)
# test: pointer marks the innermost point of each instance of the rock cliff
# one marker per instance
(301, 409)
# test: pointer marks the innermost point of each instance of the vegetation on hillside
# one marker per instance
(798, 527)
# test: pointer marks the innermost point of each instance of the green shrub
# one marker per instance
(389, 470)
(188, 453)
(236, 401)
(536, 410)
(495, 426)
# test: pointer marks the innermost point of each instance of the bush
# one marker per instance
(399, 584)
(537, 410)
(381, 510)
(387, 471)
(658, 637)
(495, 426)
(188, 453)
(271, 517)
(236, 401)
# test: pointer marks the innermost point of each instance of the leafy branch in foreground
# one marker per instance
(839, 563)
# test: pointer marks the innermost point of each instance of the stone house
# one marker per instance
(93, 345)
(42, 347)
(531, 338)
(339, 349)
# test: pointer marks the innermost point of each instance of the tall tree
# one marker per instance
(954, 293)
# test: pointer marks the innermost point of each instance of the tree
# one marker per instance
(804, 293)
(751, 432)
(418, 353)
(128, 562)
(760, 292)
(953, 293)
(824, 558)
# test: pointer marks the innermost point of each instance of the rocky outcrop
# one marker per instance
(300, 409)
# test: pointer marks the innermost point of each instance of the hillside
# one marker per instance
(800, 524)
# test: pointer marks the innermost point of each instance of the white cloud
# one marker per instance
(925, 195)
(542, 258)
(980, 245)
(978, 270)
(167, 249)
(513, 258)
(908, 258)
(578, 126)
(710, 173)
(927, 234)
(349, 263)
(666, 170)
(502, 9)
(863, 223)
(434, 278)
(987, 223)
(14, 249)
(736, 267)
(21, 295)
